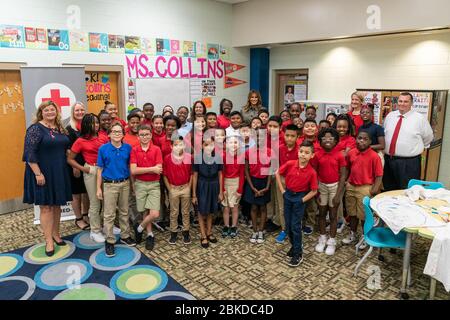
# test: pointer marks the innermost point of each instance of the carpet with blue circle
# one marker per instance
(81, 271)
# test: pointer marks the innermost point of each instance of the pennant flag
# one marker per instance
(232, 82)
(232, 67)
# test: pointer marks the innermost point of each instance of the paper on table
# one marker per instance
(400, 212)
(438, 261)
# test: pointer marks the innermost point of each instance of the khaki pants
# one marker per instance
(179, 194)
(115, 196)
(354, 200)
(90, 182)
(278, 219)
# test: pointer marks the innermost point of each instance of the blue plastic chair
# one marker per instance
(380, 237)
(426, 184)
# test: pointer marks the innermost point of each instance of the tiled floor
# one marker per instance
(237, 269)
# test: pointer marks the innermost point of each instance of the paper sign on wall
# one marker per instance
(232, 67)
(12, 36)
(36, 38)
(58, 40)
(98, 42)
(116, 44)
(232, 82)
(79, 41)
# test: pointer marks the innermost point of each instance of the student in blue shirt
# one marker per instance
(375, 131)
(114, 171)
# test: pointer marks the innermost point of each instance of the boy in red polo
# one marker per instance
(178, 178)
(131, 137)
(366, 173)
(146, 167)
(301, 186)
(331, 171)
(288, 151)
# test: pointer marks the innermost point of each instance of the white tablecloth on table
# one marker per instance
(438, 261)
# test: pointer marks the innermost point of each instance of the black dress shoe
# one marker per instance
(49, 253)
(62, 243)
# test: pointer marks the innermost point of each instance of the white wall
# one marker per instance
(259, 22)
(195, 20)
(337, 68)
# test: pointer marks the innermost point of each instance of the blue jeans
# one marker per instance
(294, 208)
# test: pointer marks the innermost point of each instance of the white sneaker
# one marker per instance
(260, 237)
(351, 238)
(331, 247)
(97, 237)
(362, 244)
(116, 230)
(320, 246)
(254, 237)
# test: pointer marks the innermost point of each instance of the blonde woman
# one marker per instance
(253, 106)
(357, 100)
(80, 202)
(47, 180)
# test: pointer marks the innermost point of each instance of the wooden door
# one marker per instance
(12, 133)
(101, 87)
(291, 85)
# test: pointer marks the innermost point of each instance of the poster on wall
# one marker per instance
(232, 67)
(162, 47)
(98, 42)
(374, 97)
(58, 39)
(79, 41)
(336, 108)
(12, 36)
(189, 49)
(209, 88)
(201, 50)
(175, 49)
(232, 82)
(225, 53)
(148, 46)
(36, 38)
(132, 44)
(422, 101)
(116, 43)
(213, 51)
(438, 114)
(98, 89)
(289, 95)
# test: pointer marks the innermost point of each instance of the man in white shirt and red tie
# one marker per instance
(407, 134)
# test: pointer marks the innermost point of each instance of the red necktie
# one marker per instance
(395, 136)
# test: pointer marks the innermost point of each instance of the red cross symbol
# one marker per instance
(55, 96)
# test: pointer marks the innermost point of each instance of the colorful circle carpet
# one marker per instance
(81, 271)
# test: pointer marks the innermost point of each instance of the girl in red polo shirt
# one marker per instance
(171, 124)
(233, 176)
(178, 178)
(111, 108)
(105, 124)
(148, 110)
(158, 133)
(223, 120)
(87, 145)
(257, 189)
(366, 173)
(344, 127)
(331, 170)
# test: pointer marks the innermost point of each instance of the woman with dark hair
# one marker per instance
(79, 195)
(198, 108)
(87, 145)
(47, 180)
(223, 120)
(254, 104)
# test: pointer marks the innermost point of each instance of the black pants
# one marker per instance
(398, 171)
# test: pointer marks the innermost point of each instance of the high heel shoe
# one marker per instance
(49, 253)
(62, 243)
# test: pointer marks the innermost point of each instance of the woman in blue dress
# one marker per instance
(47, 181)
(207, 185)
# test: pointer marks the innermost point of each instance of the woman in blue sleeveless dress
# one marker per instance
(47, 180)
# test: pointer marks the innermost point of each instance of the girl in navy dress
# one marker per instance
(47, 180)
(207, 184)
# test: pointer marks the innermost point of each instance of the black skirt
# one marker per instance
(249, 195)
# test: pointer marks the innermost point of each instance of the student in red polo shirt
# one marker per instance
(211, 120)
(331, 171)
(148, 110)
(87, 145)
(158, 133)
(257, 189)
(178, 179)
(285, 118)
(171, 125)
(111, 108)
(366, 173)
(233, 183)
(344, 127)
(263, 114)
(223, 120)
(310, 132)
(301, 186)
(288, 151)
(146, 166)
(105, 124)
(131, 137)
